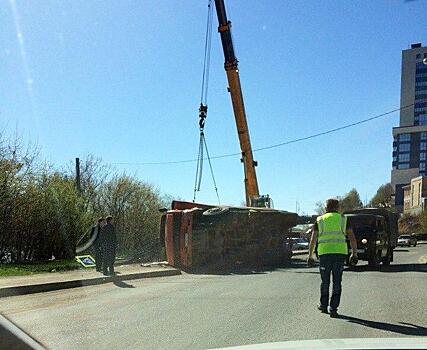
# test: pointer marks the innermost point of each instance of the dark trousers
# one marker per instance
(331, 263)
(108, 261)
(98, 257)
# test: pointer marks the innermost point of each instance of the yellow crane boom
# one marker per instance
(231, 68)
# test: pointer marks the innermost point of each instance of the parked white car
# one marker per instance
(407, 240)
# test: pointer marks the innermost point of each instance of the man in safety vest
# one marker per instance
(330, 233)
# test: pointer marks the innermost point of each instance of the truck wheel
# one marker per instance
(215, 211)
(373, 261)
(387, 259)
(347, 261)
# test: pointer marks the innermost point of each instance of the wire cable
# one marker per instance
(207, 56)
(274, 145)
(203, 109)
(332, 130)
(212, 173)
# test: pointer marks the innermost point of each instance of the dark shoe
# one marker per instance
(322, 309)
(333, 313)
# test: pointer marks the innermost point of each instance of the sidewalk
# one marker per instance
(44, 282)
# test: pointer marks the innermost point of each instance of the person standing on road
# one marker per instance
(329, 232)
(109, 244)
(97, 230)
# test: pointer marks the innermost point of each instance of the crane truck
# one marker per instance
(202, 235)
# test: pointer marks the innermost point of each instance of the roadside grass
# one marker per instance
(30, 269)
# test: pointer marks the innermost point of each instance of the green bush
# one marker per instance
(43, 215)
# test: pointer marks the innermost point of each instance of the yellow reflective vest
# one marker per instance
(332, 234)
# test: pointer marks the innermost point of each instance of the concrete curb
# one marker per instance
(47, 287)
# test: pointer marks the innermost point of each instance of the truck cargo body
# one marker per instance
(198, 235)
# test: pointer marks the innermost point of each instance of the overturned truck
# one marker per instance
(204, 236)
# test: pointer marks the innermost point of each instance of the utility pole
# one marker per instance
(78, 186)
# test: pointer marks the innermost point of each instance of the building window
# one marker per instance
(420, 109)
(404, 137)
(404, 147)
(403, 158)
(423, 156)
(423, 146)
(420, 119)
(421, 83)
(403, 166)
(420, 90)
(422, 166)
(418, 55)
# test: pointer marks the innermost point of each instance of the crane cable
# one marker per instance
(203, 110)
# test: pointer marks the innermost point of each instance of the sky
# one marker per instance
(121, 80)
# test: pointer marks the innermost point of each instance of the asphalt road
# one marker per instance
(209, 311)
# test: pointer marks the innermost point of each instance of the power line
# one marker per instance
(333, 130)
(277, 144)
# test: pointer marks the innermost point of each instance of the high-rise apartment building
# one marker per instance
(410, 137)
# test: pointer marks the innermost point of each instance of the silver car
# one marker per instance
(299, 244)
(407, 241)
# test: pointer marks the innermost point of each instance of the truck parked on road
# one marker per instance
(376, 232)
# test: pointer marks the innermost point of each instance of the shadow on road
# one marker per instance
(401, 328)
(232, 271)
(245, 270)
(122, 284)
(401, 250)
(405, 268)
(300, 266)
(391, 268)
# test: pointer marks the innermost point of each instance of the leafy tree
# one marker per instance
(383, 197)
(134, 206)
(350, 201)
(43, 215)
(409, 223)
